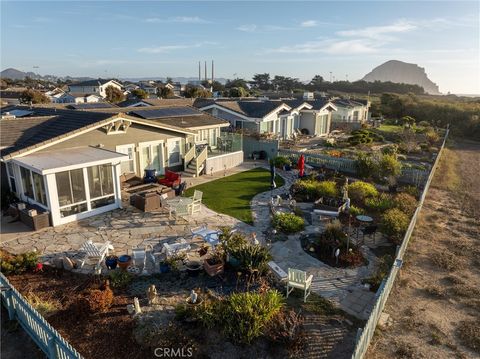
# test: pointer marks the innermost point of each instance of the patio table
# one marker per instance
(363, 220)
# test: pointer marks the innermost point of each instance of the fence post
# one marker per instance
(9, 300)
(52, 348)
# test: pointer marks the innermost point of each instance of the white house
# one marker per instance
(57, 95)
(351, 111)
(96, 87)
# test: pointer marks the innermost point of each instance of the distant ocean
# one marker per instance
(467, 95)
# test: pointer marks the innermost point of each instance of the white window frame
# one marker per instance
(86, 188)
(180, 152)
(150, 144)
(127, 146)
(11, 175)
(91, 199)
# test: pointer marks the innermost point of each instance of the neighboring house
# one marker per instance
(85, 97)
(69, 162)
(177, 88)
(150, 102)
(11, 97)
(352, 111)
(280, 117)
(97, 87)
(58, 95)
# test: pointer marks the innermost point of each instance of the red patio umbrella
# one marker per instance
(301, 165)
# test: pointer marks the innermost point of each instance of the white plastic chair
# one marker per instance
(175, 248)
(96, 250)
(298, 279)
(197, 201)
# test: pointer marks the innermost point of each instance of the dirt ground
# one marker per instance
(434, 308)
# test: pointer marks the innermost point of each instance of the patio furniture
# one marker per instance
(330, 204)
(181, 210)
(197, 201)
(362, 221)
(298, 279)
(171, 179)
(212, 237)
(369, 230)
(175, 248)
(147, 202)
(96, 250)
(40, 220)
(277, 271)
(181, 189)
(128, 180)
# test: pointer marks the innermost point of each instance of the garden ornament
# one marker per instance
(136, 306)
(193, 297)
(151, 294)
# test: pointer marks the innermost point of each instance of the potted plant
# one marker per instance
(193, 268)
(215, 264)
(124, 261)
(202, 251)
(165, 266)
(111, 261)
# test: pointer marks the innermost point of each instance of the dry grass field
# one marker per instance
(434, 308)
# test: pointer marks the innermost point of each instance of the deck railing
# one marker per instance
(364, 336)
(42, 333)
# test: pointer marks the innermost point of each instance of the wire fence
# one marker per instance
(364, 336)
(42, 333)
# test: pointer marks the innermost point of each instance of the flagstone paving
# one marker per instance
(128, 227)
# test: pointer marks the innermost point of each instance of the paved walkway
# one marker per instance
(128, 228)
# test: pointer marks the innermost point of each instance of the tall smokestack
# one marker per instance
(199, 71)
(205, 70)
(212, 72)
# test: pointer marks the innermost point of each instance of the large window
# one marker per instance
(174, 156)
(33, 186)
(151, 156)
(26, 182)
(71, 192)
(11, 177)
(100, 182)
(127, 166)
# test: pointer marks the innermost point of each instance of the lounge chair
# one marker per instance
(197, 201)
(298, 279)
(96, 250)
(210, 236)
(181, 210)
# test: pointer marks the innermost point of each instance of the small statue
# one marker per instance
(193, 297)
(151, 294)
(136, 306)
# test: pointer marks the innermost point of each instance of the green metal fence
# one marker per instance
(42, 333)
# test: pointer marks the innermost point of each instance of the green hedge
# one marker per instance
(288, 223)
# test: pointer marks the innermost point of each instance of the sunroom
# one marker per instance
(71, 184)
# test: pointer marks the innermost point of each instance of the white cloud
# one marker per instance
(178, 19)
(379, 32)
(248, 28)
(331, 46)
(170, 48)
(308, 23)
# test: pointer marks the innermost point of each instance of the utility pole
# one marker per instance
(205, 70)
(199, 72)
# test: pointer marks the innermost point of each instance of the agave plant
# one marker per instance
(252, 257)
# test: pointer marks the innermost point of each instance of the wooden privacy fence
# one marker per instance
(365, 335)
(412, 176)
(42, 333)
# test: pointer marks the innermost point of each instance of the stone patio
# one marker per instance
(128, 228)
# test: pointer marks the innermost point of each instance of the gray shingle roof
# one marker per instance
(249, 108)
(96, 82)
(47, 124)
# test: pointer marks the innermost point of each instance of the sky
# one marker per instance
(291, 38)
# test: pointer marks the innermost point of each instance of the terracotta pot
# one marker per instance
(213, 269)
(124, 261)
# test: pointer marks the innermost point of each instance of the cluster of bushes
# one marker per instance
(288, 223)
(394, 224)
(16, 264)
(120, 278)
(281, 162)
(242, 317)
(378, 166)
(360, 191)
(311, 189)
(364, 136)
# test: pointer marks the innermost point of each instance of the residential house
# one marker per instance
(351, 111)
(57, 95)
(81, 97)
(97, 87)
(156, 102)
(317, 119)
(69, 162)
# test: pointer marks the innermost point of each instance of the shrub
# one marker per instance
(432, 137)
(252, 257)
(411, 190)
(243, 316)
(446, 260)
(389, 165)
(45, 307)
(365, 165)
(288, 223)
(120, 278)
(356, 211)
(334, 231)
(380, 203)
(99, 300)
(406, 203)
(287, 327)
(230, 240)
(390, 149)
(19, 263)
(364, 136)
(281, 161)
(359, 191)
(394, 223)
(310, 189)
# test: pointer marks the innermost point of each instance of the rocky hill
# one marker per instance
(402, 72)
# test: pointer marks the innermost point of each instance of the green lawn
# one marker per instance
(390, 128)
(232, 195)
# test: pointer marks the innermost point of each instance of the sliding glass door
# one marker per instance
(151, 156)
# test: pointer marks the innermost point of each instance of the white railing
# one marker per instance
(189, 155)
(365, 335)
(201, 158)
(42, 333)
